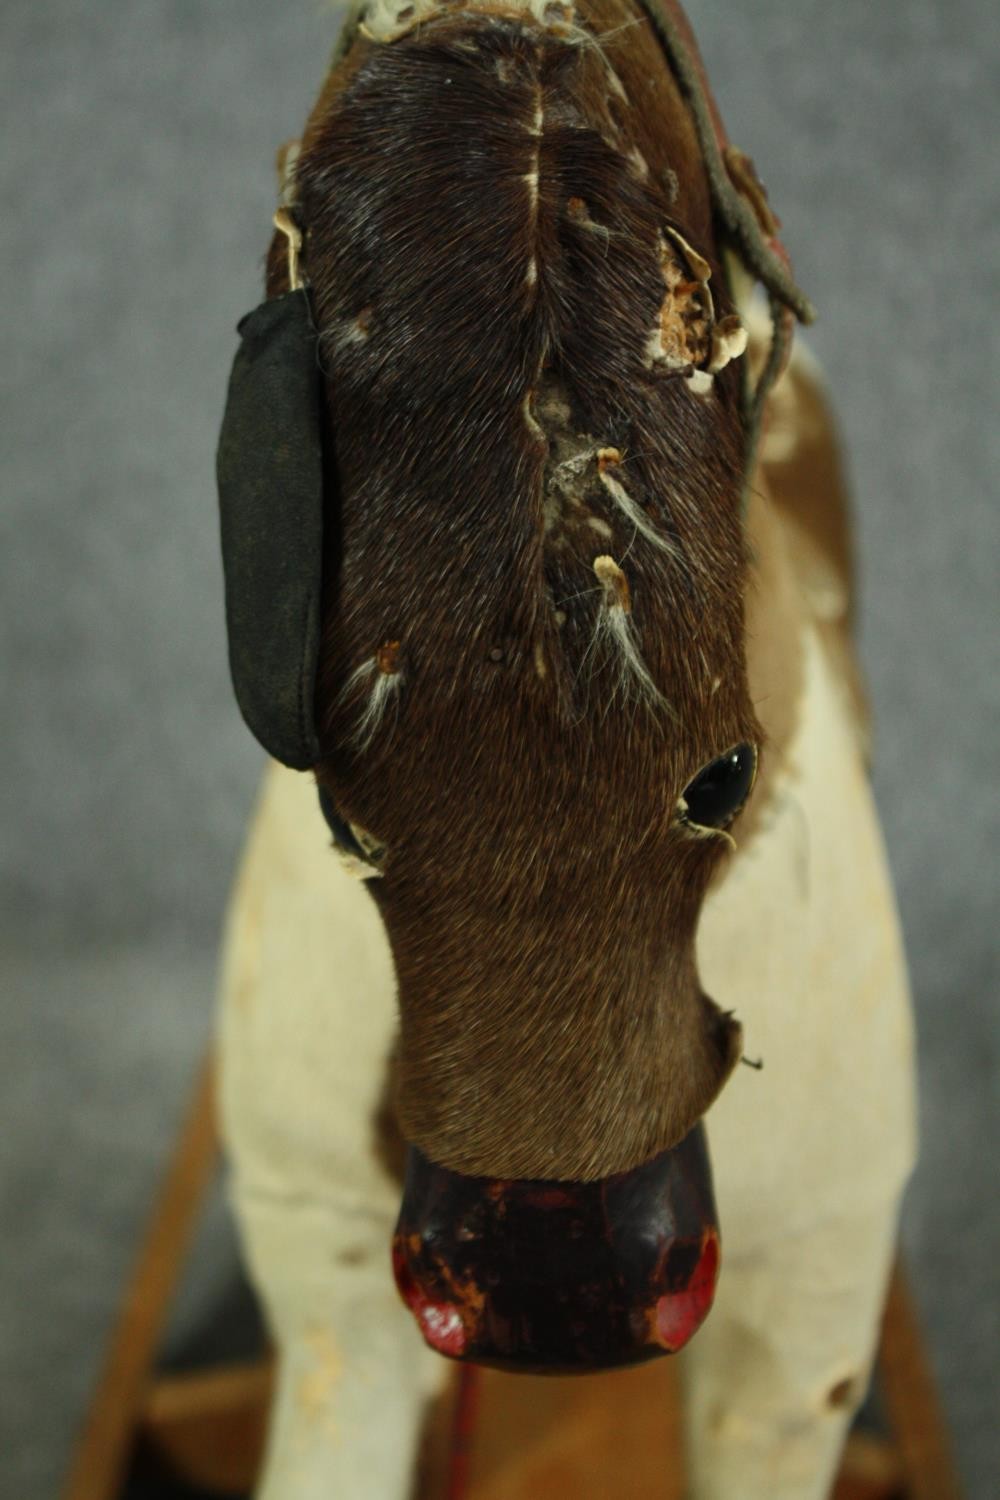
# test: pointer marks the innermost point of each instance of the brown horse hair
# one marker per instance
(533, 378)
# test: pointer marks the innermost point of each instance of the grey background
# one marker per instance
(138, 184)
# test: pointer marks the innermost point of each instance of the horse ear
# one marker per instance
(270, 471)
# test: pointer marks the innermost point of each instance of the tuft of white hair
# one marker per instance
(637, 517)
(383, 694)
(615, 632)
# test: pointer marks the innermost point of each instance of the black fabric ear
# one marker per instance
(270, 475)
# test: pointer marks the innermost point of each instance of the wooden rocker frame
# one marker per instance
(545, 1438)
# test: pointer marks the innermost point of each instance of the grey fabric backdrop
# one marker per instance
(137, 155)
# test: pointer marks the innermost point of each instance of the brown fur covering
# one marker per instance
(482, 336)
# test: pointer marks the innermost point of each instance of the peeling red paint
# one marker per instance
(679, 1315)
(440, 1322)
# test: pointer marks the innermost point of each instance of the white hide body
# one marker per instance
(810, 1154)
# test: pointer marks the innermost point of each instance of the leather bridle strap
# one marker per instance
(762, 253)
(744, 215)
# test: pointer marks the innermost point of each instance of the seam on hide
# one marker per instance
(532, 180)
(576, 475)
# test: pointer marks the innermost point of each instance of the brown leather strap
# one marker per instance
(759, 247)
(742, 210)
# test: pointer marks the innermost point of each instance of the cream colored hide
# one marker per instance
(810, 1154)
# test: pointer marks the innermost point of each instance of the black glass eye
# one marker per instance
(717, 793)
(344, 836)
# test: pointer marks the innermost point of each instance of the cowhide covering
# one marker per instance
(810, 1154)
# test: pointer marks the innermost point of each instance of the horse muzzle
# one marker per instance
(555, 1276)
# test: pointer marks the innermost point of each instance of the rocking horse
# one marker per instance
(538, 560)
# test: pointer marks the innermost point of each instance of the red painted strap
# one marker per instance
(462, 1431)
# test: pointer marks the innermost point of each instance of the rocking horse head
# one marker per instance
(482, 478)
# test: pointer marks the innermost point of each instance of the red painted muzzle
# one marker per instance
(552, 1276)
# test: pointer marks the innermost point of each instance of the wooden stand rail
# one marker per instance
(115, 1415)
(538, 1438)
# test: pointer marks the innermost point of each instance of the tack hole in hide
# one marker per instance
(842, 1394)
(353, 1255)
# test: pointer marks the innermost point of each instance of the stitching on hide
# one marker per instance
(577, 464)
(532, 179)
